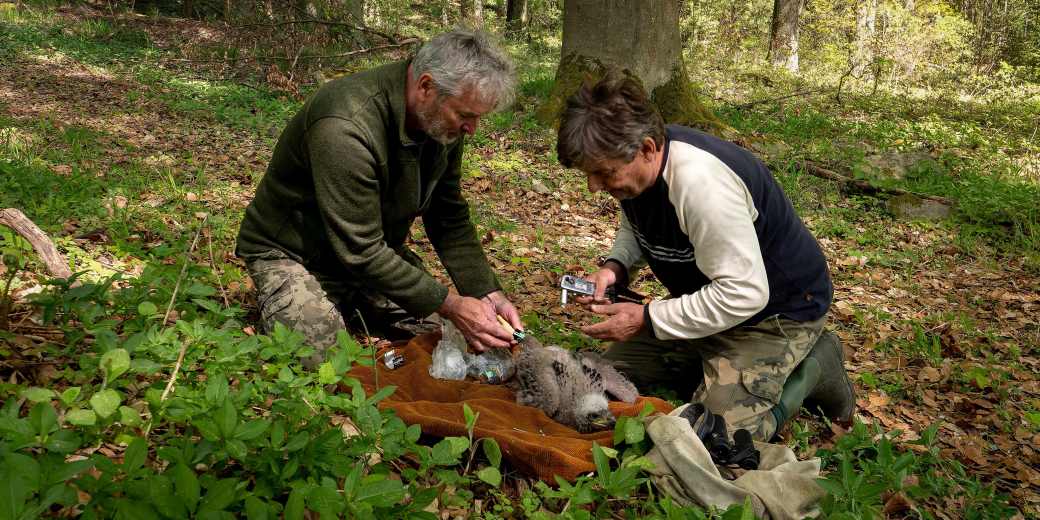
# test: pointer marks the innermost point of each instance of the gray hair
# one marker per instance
(463, 59)
(607, 121)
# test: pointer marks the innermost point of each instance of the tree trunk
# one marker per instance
(640, 36)
(516, 15)
(783, 41)
(472, 11)
(866, 16)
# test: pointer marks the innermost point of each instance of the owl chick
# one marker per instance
(570, 387)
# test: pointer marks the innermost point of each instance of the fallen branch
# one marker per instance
(313, 21)
(864, 186)
(403, 43)
(312, 57)
(52, 259)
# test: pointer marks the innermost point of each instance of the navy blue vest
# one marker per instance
(799, 283)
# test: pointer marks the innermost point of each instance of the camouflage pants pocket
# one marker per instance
(287, 293)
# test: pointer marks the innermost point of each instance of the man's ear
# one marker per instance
(648, 149)
(426, 87)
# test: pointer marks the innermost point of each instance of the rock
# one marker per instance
(539, 187)
(911, 207)
(898, 164)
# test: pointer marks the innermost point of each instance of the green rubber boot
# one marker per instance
(799, 385)
(834, 396)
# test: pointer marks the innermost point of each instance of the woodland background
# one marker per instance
(134, 133)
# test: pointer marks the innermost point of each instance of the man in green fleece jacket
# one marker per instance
(366, 155)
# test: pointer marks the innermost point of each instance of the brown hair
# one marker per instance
(607, 121)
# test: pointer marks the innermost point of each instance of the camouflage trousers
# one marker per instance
(739, 373)
(312, 303)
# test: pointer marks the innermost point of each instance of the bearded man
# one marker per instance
(367, 154)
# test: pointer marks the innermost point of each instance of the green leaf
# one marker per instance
(248, 431)
(459, 445)
(135, 455)
(115, 363)
(105, 402)
(634, 431)
(129, 416)
(294, 506)
(327, 374)
(297, 441)
(324, 501)
(236, 449)
(471, 418)
(226, 418)
(37, 394)
(1033, 418)
(381, 493)
(289, 469)
(147, 309)
(492, 451)
(80, 417)
(186, 484)
(216, 389)
(256, 509)
(277, 434)
(601, 460)
(369, 420)
(18, 482)
(491, 475)
(640, 463)
(43, 419)
(70, 395)
(63, 441)
(219, 495)
(383, 393)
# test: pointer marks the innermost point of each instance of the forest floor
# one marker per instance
(118, 151)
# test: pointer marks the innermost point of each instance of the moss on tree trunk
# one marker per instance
(675, 99)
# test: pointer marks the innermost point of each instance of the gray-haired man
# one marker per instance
(749, 284)
(365, 156)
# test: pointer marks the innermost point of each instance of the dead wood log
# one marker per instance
(52, 259)
(863, 186)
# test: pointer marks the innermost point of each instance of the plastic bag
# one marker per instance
(449, 356)
(451, 359)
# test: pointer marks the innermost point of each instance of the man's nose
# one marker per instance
(470, 126)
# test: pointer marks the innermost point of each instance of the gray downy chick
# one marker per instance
(569, 387)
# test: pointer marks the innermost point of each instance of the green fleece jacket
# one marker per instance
(347, 181)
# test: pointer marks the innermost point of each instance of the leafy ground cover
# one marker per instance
(140, 166)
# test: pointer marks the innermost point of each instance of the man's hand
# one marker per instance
(625, 320)
(476, 321)
(503, 307)
(604, 278)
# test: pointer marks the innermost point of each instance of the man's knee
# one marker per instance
(288, 294)
(745, 398)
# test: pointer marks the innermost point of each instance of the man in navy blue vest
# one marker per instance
(749, 285)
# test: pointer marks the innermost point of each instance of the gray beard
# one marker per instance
(434, 126)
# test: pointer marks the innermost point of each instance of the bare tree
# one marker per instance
(640, 36)
(783, 41)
